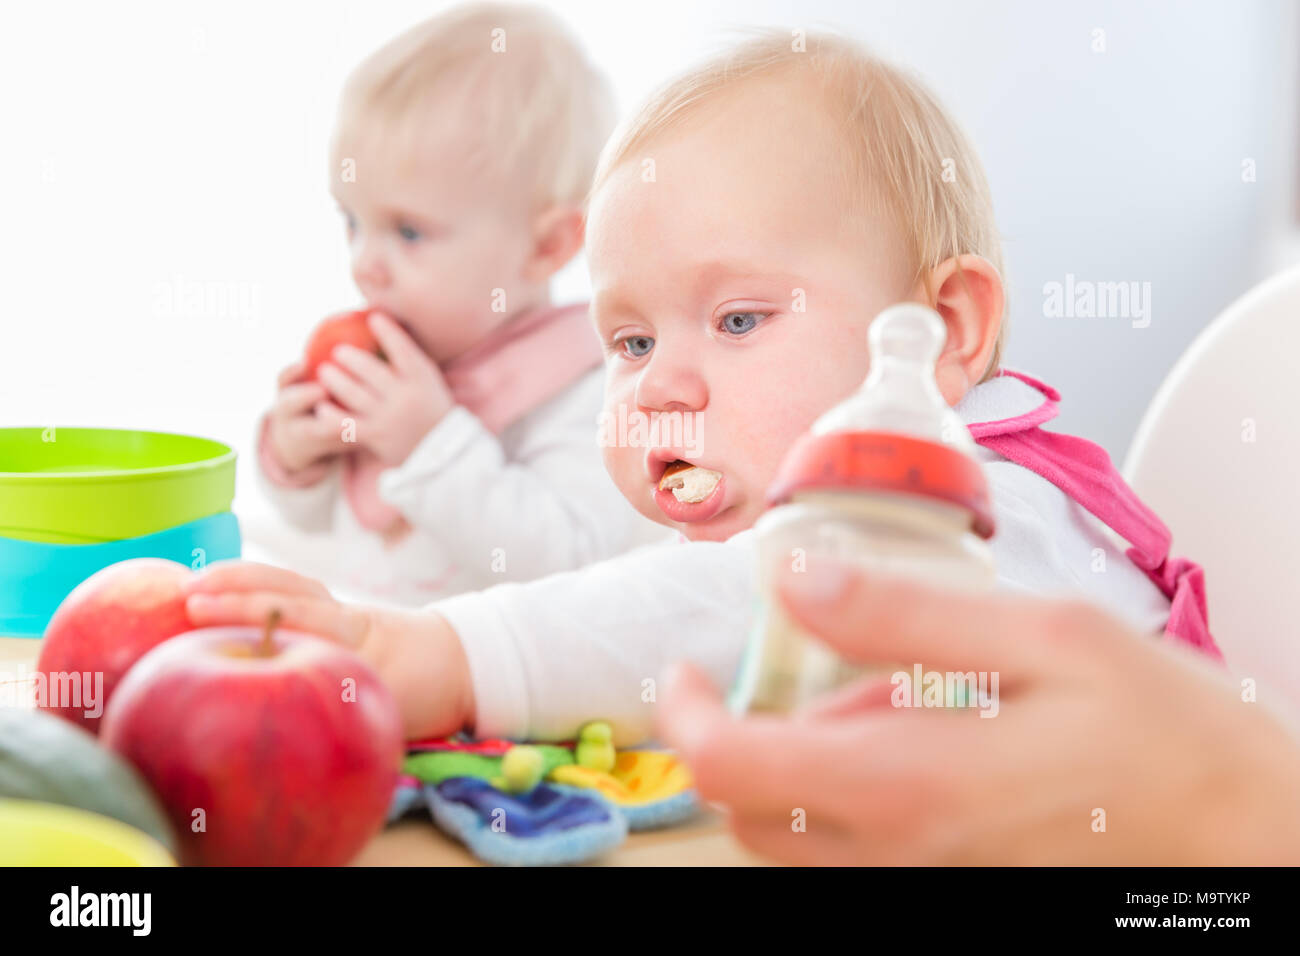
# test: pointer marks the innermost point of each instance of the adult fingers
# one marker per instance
(872, 618)
(756, 765)
(798, 841)
(867, 693)
(878, 768)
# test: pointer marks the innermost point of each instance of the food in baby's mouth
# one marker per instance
(689, 483)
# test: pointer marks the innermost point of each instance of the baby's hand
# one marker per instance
(298, 430)
(395, 403)
(415, 653)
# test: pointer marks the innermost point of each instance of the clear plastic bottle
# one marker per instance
(886, 480)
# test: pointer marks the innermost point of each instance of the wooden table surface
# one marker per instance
(703, 842)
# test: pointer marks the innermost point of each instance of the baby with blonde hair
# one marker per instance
(460, 161)
(744, 229)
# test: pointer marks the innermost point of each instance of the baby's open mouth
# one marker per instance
(689, 483)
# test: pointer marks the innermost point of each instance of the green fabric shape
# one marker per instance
(595, 748)
(521, 769)
(435, 766)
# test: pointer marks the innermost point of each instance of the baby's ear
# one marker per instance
(557, 237)
(967, 293)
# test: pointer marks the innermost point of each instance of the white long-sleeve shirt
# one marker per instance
(483, 508)
(549, 655)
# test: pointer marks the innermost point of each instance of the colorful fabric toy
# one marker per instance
(543, 804)
(651, 788)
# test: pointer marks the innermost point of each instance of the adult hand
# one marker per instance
(1096, 726)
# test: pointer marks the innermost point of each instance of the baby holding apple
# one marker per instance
(781, 172)
(445, 434)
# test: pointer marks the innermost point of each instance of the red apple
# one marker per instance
(350, 328)
(104, 626)
(288, 744)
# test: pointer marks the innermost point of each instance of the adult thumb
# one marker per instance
(874, 618)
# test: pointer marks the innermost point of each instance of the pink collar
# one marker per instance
(1085, 473)
(1045, 412)
(526, 361)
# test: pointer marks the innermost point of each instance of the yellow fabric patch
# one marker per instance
(639, 776)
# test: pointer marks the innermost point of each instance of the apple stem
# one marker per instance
(272, 622)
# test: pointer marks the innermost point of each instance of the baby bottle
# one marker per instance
(887, 480)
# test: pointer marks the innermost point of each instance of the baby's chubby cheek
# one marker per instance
(765, 434)
(625, 464)
(618, 463)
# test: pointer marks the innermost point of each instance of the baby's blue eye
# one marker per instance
(350, 222)
(638, 345)
(407, 233)
(738, 323)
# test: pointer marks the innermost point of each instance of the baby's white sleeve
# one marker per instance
(547, 656)
(551, 507)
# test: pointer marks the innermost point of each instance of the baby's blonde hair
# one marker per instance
(906, 157)
(539, 109)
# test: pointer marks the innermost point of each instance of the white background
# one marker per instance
(168, 240)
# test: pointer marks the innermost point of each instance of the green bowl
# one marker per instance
(91, 485)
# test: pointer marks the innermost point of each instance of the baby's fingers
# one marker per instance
(404, 354)
(331, 417)
(290, 373)
(296, 399)
(367, 367)
(225, 576)
(322, 617)
(344, 388)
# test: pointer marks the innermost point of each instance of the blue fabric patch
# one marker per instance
(544, 809)
(549, 826)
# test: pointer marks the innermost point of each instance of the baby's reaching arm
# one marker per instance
(528, 661)
(549, 655)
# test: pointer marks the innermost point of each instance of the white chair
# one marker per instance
(1217, 457)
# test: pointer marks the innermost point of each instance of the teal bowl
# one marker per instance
(36, 576)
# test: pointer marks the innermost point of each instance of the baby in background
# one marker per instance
(461, 158)
(744, 229)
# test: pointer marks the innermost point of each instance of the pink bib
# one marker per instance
(1084, 471)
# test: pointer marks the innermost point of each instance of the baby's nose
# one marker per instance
(369, 270)
(668, 385)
